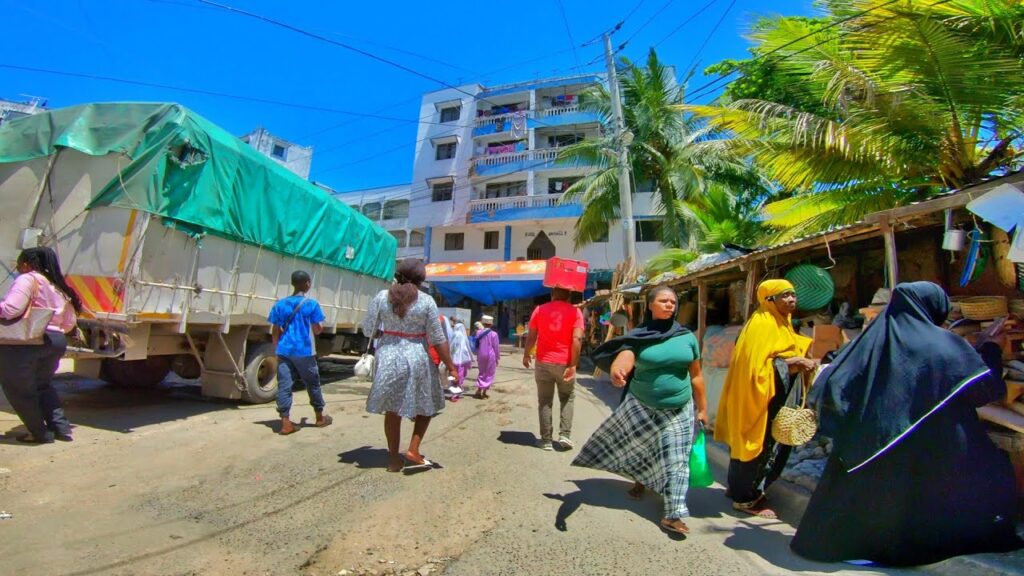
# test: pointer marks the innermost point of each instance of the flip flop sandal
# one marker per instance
(673, 530)
(327, 422)
(756, 508)
(410, 463)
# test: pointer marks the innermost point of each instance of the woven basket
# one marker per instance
(795, 426)
(1017, 307)
(984, 307)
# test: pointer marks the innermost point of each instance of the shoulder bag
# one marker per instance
(366, 365)
(29, 328)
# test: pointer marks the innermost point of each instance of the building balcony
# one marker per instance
(544, 118)
(540, 159)
(539, 207)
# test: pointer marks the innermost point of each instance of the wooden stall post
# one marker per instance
(891, 264)
(702, 310)
(750, 301)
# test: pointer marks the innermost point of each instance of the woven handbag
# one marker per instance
(795, 425)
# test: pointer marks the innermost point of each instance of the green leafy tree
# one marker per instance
(915, 97)
(663, 153)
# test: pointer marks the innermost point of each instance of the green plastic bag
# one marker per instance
(700, 469)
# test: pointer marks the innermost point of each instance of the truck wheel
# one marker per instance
(136, 373)
(260, 374)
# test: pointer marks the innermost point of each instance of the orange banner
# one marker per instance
(516, 270)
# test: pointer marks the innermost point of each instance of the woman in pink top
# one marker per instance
(26, 371)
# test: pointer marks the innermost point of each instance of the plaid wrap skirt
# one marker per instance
(647, 445)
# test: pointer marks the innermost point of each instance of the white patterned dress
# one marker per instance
(405, 380)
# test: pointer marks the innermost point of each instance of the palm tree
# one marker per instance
(916, 96)
(663, 153)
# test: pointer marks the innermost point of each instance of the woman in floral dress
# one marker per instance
(406, 383)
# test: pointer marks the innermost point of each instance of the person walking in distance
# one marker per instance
(296, 321)
(556, 328)
(488, 355)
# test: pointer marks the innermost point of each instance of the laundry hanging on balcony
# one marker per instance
(519, 124)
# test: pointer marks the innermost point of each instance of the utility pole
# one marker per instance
(622, 141)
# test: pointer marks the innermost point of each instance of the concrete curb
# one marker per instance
(790, 501)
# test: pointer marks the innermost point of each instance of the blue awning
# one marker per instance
(489, 292)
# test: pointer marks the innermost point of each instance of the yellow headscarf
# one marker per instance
(750, 384)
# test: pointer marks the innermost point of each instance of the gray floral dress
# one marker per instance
(405, 380)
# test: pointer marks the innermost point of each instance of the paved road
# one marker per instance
(165, 482)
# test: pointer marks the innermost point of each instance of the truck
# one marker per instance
(179, 238)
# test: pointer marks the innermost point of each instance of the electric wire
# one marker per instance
(711, 34)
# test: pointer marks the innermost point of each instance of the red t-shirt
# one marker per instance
(554, 324)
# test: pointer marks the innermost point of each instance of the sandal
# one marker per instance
(670, 526)
(756, 508)
(423, 463)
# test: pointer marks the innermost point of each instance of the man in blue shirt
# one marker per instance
(296, 321)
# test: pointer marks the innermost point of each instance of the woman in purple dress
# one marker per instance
(487, 355)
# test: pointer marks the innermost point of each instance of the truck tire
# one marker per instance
(136, 373)
(260, 373)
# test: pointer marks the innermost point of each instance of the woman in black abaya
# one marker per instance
(913, 477)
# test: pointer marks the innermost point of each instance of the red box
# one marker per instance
(565, 273)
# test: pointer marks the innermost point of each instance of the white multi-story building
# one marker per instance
(10, 110)
(292, 156)
(487, 181)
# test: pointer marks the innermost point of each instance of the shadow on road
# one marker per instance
(517, 438)
(96, 404)
(601, 388)
(605, 493)
(365, 457)
(773, 547)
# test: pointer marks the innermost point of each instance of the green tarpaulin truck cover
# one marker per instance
(202, 179)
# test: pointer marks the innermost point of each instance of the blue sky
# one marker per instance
(183, 43)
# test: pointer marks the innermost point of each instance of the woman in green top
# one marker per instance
(649, 436)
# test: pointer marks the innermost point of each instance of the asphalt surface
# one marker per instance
(163, 481)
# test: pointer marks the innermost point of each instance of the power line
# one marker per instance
(685, 22)
(346, 46)
(568, 32)
(710, 35)
(648, 21)
(215, 93)
(710, 86)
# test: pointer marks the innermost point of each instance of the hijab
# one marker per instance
(750, 383)
(899, 371)
(648, 333)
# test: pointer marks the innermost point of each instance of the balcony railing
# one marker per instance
(528, 156)
(559, 110)
(495, 204)
(505, 119)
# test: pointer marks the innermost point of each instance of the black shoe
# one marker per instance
(63, 437)
(30, 439)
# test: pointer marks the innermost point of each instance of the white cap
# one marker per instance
(487, 319)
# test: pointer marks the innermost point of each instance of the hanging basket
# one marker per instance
(814, 287)
(983, 307)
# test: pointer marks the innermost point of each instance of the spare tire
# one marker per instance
(136, 373)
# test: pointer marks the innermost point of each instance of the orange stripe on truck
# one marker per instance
(127, 242)
(98, 293)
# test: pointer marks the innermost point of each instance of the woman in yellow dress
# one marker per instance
(768, 351)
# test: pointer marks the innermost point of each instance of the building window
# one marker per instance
(279, 151)
(454, 241)
(372, 210)
(505, 190)
(445, 151)
(396, 209)
(491, 240)
(442, 192)
(560, 185)
(416, 239)
(647, 230)
(400, 236)
(451, 114)
(559, 140)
